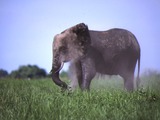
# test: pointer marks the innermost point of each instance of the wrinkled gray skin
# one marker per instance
(111, 52)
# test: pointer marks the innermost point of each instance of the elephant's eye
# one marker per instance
(63, 49)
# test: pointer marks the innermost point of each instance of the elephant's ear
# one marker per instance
(83, 36)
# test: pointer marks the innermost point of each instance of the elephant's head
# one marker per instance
(71, 44)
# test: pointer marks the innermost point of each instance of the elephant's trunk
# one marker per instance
(56, 67)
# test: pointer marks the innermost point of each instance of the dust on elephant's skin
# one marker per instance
(112, 52)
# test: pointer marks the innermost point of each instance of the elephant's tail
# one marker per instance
(138, 79)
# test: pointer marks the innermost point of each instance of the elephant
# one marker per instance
(112, 52)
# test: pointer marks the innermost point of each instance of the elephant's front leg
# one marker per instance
(75, 73)
(88, 73)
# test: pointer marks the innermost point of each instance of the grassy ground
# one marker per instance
(42, 100)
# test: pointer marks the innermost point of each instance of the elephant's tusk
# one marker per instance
(60, 67)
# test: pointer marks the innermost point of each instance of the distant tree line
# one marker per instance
(3, 73)
(27, 72)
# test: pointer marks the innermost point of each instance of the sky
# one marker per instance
(27, 27)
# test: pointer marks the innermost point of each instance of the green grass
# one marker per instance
(42, 100)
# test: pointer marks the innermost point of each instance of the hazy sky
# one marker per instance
(27, 27)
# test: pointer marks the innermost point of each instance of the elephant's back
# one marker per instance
(114, 42)
(114, 39)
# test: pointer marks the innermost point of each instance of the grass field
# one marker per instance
(42, 100)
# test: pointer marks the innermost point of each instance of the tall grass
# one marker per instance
(42, 100)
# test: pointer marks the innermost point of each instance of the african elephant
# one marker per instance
(112, 52)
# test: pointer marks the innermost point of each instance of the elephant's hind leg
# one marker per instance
(128, 76)
(129, 81)
(127, 66)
